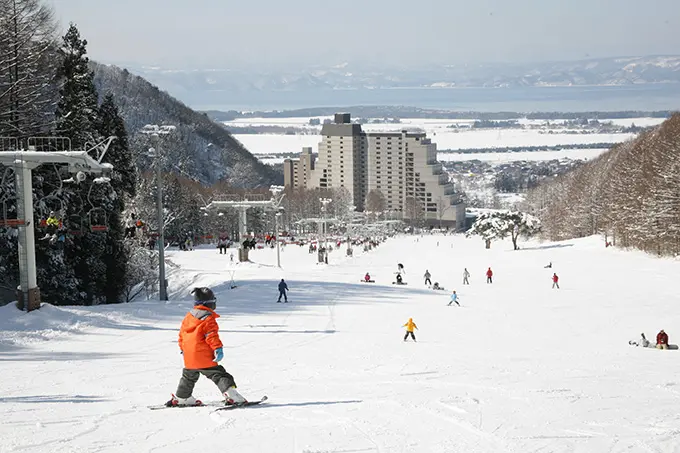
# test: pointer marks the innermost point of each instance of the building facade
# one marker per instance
(402, 166)
(296, 171)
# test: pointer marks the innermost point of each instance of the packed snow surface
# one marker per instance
(518, 368)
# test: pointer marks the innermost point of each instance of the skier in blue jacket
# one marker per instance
(454, 298)
(283, 287)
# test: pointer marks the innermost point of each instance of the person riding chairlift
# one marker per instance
(52, 222)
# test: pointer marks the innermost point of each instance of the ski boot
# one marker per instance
(190, 401)
(233, 397)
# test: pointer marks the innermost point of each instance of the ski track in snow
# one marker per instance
(518, 368)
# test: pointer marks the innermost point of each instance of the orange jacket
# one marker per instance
(410, 325)
(199, 337)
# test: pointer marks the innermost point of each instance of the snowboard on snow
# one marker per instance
(400, 284)
(653, 346)
(367, 281)
(219, 405)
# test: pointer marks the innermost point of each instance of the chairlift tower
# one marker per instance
(323, 256)
(242, 204)
(23, 158)
(156, 131)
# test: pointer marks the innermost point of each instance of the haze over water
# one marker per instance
(524, 99)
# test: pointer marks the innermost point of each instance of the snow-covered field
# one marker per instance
(463, 139)
(518, 368)
(438, 130)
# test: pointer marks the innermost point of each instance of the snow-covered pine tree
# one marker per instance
(123, 182)
(501, 224)
(77, 109)
(77, 117)
(489, 226)
(521, 224)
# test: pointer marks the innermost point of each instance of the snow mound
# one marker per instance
(48, 323)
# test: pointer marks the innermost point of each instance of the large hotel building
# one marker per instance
(397, 164)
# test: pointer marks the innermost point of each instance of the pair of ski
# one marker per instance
(219, 406)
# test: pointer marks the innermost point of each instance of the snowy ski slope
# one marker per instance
(518, 368)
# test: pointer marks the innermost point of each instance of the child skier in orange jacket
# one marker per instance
(199, 343)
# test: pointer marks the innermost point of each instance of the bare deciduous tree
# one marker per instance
(27, 67)
(631, 193)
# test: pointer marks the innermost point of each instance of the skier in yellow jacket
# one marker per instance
(410, 325)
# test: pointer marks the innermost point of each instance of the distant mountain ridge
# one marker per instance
(194, 84)
(201, 149)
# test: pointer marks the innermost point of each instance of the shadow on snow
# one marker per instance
(308, 403)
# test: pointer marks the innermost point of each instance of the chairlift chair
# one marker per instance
(47, 205)
(5, 221)
(97, 215)
(75, 225)
(97, 220)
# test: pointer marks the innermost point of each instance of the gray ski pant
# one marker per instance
(217, 374)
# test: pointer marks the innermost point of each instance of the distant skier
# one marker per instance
(548, 266)
(410, 326)
(222, 245)
(427, 277)
(489, 276)
(199, 343)
(454, 298)
(367, 277)
(662, 340)
(283, 287)
(555, 280)
(466, 276)
(642, 342)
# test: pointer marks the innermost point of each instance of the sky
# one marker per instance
(277, 34)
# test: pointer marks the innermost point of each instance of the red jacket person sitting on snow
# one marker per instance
(662, 340)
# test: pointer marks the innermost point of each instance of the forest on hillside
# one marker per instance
(630, 194)
(95, 237)
(199, 148)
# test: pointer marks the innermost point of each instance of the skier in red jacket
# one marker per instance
(489, 274)
(555, 279)
(662, 340)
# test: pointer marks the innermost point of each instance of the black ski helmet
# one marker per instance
(204, 296)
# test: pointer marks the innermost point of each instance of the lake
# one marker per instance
(520, 99)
